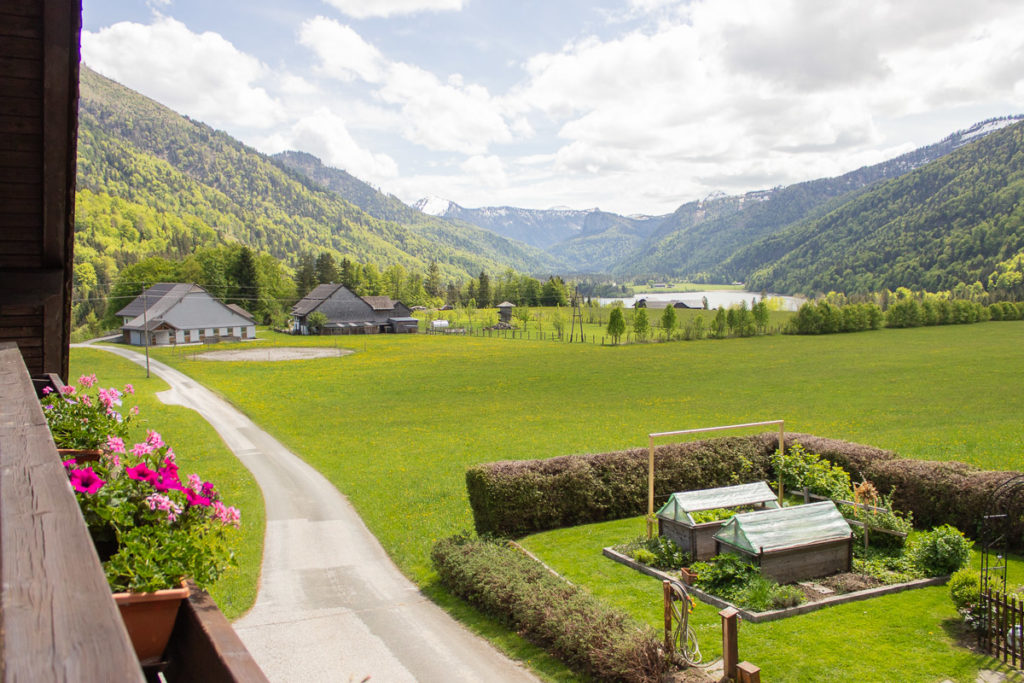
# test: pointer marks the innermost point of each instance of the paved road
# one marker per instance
(331, 605)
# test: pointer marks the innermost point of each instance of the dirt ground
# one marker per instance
(274, 354)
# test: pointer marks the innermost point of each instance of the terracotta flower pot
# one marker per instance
(687, 576)
(149, 618)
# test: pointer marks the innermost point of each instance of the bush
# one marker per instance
(563, 619)
(513, 498)
(941, 551)
(803, 469)
(965, 590)
(724, 575)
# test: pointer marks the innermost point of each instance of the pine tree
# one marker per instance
(326, 269)
(433, 284)
(483, 291)
(305, 274)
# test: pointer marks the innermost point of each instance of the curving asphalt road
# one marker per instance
(331, 604)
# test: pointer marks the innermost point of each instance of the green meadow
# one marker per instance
(395, 425)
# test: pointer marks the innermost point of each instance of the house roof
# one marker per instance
(152, 296)
(380, 303)
(241, 311)
(767, 530)
(506, 304)
(181, 306)
(317, 296)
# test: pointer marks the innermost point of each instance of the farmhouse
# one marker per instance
(175, 313)
(348, 313)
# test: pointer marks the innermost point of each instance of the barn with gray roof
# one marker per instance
(348, 313)
(176, 313)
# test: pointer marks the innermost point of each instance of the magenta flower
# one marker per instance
(86, 400)
(86, 481)
(207, 490)
(195, 482)
(115, 444)
(141, 473)
(226, 515)
(69, 463)
(168, 478)
(47, 390)
(194, 498)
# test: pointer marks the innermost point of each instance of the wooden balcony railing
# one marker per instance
(57, 619)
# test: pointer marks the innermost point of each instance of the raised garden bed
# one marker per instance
(811, 605)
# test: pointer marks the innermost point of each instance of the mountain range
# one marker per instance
(153, 182)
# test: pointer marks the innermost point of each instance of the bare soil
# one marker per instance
(278, 353)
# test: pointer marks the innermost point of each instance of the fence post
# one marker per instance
(730, 647)
(666, 589)
(748, 673)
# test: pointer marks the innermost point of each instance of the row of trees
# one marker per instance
(735, 321)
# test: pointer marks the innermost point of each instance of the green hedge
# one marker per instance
(514, 498)
(518, 497)
(567, 621)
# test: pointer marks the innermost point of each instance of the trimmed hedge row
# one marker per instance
(514, 498)
(563, 619)
(518, 497)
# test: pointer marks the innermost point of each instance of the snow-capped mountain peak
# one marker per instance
(435, 206)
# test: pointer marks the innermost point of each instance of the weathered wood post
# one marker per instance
(748, 673)
(666, 588)
(730, 647)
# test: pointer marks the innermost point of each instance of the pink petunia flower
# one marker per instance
(69, 463)
(115, 444)
(135, 410)
(153, 439)
(67, 390)
(194, 498)
(141, 473)
(86, 480)
(141, 450)
(195, 482)
(159, 502)
(87, 380)
(47, 390)
(129, 389)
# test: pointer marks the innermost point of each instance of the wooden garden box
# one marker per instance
(791, 544)
(676, 522)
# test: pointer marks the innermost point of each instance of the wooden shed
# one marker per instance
(791, 544)
(676, 521)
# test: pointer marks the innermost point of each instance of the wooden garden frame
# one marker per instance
(658, 435)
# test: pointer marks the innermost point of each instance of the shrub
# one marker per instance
(644, 556)
(786, 596)
(519, 497)
(658, 552)
(803, 469)
(943, 550)
(724, 575)
(565, 620)
(965, 590)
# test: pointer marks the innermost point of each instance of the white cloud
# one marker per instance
(489, 170)
(326, 135)
(362, 9)
(201, 75)
(343, 53)
(438, 115)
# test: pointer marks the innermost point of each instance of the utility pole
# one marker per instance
(145, 327)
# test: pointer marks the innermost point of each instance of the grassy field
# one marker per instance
(396, 424)
(198, 448)
(910, 636)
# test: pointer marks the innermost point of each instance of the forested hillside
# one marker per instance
(958, 219)
(698, 240)
(154, 183)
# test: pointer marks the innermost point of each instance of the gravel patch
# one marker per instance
(274, 354)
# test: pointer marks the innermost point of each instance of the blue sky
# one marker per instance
(633, 106)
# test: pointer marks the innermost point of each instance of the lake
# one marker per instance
(717, 298)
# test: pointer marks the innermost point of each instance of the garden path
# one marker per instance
(331, 605)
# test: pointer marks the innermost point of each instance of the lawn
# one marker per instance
(910, 636)
(396, 424)
(197, 448)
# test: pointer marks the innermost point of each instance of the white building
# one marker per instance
(174, 313)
